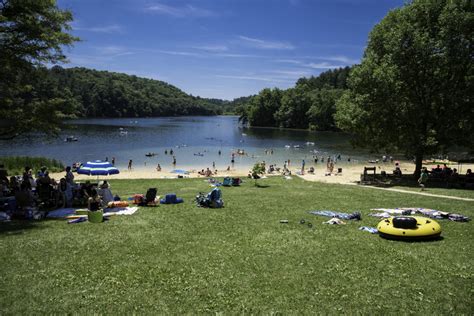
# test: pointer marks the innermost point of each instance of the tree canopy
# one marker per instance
(93, 93)
(310, 104)
(414, 89)
(32, 32)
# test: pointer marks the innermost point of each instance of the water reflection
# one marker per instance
(131, 138)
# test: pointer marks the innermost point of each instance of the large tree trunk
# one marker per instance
(418, 164)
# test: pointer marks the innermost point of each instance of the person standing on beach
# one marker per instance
(113, 161)
(213, 165)
(174, 160)
(302, 166)
(158, 168)
(130, 162)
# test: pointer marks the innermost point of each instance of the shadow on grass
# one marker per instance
(413, 183)
(426, 239)
(262, 186)
(17, 227)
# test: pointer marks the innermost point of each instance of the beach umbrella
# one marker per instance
(97, 168)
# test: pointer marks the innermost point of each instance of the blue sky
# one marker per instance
(222, 48)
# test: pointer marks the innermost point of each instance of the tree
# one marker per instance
(414, 89)
(257, 170)
(292, 112)
(263, 106)
(32, 32)
(323, 107)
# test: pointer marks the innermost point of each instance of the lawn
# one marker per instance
(463, 193)
(239, 259)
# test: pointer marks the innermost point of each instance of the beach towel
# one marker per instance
(356, 215)
(61, 213)
(120, 211)
(335, 221)
(371, 230)
(431, 213)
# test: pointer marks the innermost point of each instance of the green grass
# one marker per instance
(15, 165)
(440, 191)
(239, 259)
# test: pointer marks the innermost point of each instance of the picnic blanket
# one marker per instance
(435, 214)
(67, 212)
(120, 211)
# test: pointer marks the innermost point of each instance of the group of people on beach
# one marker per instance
(38, 193)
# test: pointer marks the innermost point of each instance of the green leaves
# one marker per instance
(32, 32)
(310, 104)
(414, 87)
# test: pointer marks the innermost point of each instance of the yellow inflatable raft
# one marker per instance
(409, 228)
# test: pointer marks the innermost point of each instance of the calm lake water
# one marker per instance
(186, 136)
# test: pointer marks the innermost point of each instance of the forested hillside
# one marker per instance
(310, 104)
(94, 93)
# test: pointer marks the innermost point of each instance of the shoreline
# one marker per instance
(350, 173)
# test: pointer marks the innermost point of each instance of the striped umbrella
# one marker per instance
(97, 168)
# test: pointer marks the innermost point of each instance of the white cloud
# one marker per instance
(175, 53)
(289, 61)
(180, 12)
(256, 78)
(109, 29)
(265, 44)
(323, 65)
(300, 60)
(292, 73)
(212, 48)
(339, 58)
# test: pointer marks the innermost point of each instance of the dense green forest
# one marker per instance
(310, 104)
(96, 93)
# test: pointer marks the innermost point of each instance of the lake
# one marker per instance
(195, 142)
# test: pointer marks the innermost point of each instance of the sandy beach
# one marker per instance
(350, 173)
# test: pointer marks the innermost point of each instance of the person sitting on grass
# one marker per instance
(94, 203)
(469, 173)
(14, 185)
(397, 172)
(24, 199)
(423, 178)
(3, 173)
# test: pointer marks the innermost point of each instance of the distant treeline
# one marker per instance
(93, 93)
(311, 104)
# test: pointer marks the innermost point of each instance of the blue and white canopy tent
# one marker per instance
(97, 168)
